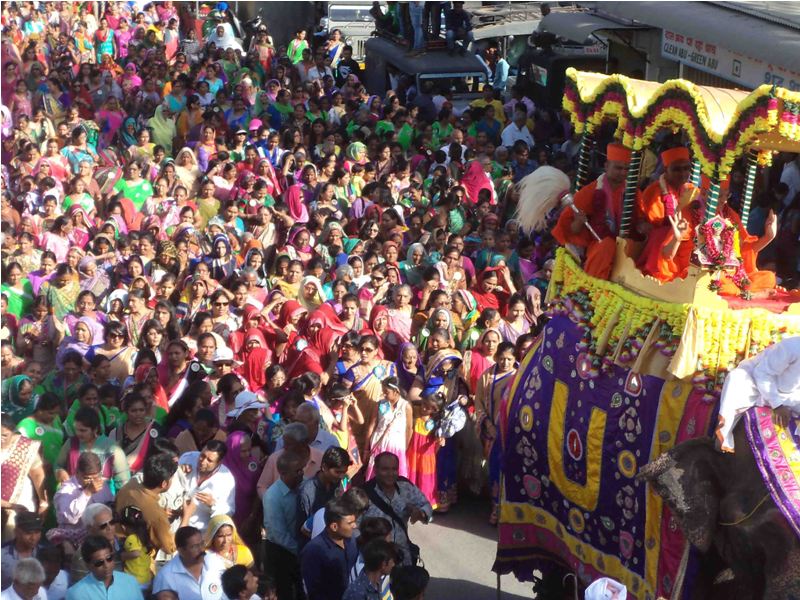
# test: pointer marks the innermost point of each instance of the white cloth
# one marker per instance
(512, 133)
(221, 485)
(58, 588)
(174, 576)
(770, 378)
(10, 594)
(606, 588)
(318, 523)
(226, 40)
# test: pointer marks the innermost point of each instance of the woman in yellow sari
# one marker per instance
(222, 539)
(364, 380)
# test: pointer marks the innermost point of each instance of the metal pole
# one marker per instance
(584, 156)
(713, 198)
(629, 198)
(696, 173)
(749, 185)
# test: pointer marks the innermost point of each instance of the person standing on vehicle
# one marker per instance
(458, 27)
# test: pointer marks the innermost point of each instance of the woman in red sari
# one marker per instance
(494, 288)
(143, 375)
(480, 358)
(256, 357)
(312, 352)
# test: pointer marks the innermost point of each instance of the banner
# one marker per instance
(573, 445)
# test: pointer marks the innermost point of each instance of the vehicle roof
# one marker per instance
(433, 61)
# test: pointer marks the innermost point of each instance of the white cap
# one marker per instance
(245, 400)
(225, 354)
(606, 588)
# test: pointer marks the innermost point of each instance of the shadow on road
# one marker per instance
(469, 514)
(446, 589)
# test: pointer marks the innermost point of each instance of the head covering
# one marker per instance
(354, 150)
(674, 154)
(474, 180)
(434, 374)
(606, 588)
(216, 523)
(245, 400)
(294, 201)
(618, 153)
(225, 354)
(289, 310)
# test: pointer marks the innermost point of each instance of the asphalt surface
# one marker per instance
(459, 549)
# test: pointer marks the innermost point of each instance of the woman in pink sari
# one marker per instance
(294, 201)
(246, 471)
(476, 179)
(265, 171)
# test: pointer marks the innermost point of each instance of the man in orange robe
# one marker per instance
(600, 205)
(664, 209)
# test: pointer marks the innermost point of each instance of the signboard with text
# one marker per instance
(714, 59)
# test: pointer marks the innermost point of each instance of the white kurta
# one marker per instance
(221, 485)
(770, 378)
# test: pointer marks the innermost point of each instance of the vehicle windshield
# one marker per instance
(349, 13)
(457, 83)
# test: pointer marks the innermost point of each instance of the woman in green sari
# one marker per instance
(62, 290)
(44, 426)
(18, 401)
(89, 438)
(17, 289)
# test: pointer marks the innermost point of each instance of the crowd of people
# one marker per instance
(255, 320)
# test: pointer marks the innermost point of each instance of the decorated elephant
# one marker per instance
(749, 549)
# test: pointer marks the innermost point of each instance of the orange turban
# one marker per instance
(618, 153)
(674, 154)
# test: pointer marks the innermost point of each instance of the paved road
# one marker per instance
(458, 549)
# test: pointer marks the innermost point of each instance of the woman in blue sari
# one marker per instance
(441, 376)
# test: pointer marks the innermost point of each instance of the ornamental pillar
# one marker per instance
(629, 198)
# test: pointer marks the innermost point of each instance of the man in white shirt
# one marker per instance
(28, 580)
(211, 485)
(320, 69)
(517, 130)
(193, 574)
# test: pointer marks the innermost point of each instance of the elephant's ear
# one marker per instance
(687, 481)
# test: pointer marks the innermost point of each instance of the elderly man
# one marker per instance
(397, 499)
(211, 485)
(103, 582)
(600, 205)
(99, 521)
(28, 577)
(308, 415)
(27, 535)
(86, 487)
(193, 574)
(295, 440)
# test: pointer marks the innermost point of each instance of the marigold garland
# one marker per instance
(679, 104)
(728, 336)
